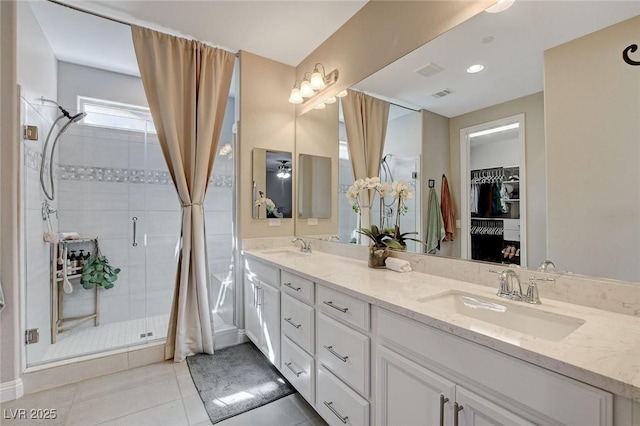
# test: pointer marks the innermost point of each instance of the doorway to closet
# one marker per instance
(493, 207)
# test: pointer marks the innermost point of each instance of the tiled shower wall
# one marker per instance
(36, 258)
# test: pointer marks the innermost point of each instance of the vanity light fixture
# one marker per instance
(500, 6)
(321, 105)
(311, 87)
(342, 94)
(475, 68)
(330, 100)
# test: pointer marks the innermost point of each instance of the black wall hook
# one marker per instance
(625, 54)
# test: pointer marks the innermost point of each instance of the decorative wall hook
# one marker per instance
(625, 54)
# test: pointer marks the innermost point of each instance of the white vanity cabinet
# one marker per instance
(423, 373)
(262, 308)
(297, 318)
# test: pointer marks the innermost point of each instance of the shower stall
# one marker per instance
(99, 175)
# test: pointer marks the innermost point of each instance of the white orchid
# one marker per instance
(384, 189)
(267, 202)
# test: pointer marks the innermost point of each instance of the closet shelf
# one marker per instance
(512, 200)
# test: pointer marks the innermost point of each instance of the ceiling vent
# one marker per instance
(442, 93)
(429, 69)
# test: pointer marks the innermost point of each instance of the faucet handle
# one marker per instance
(533, 296)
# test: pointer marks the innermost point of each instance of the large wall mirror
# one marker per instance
(314, 187)
(580, 127)
(272, 194)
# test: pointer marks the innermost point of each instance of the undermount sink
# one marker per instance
(287, 253)
(523, 319)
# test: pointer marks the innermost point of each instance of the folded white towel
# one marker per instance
(397, 265)
(69, 235)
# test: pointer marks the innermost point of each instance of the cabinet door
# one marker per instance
(409, 394)
(269, 307)
(477, 411)
(251, 317)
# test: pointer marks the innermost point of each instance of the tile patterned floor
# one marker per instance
(154, 395)
(88, 340)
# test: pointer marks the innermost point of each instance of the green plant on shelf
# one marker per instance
(98, 272)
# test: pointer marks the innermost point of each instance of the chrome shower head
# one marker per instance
(79, 116)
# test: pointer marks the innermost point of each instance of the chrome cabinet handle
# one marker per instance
(292, 287)
(260, 299)
(255, 297)
(329, 405)
(135, 223)
(292, 323)
(330, 303)
(456, 409)
(297, 373)
(443, 400)
(336, 354)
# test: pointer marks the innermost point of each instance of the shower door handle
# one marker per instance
(135, 222)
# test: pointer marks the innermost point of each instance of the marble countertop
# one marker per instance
(603, 352)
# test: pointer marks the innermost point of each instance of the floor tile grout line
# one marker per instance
(139, 411)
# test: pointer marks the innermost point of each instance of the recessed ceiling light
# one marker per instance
(486, 40)
(500, 6)
(475, 68)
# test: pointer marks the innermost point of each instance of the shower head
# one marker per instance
(79, 116)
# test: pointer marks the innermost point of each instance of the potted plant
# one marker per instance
(382, 240)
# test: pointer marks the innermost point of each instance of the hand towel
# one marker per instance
(435, 227)
(397, 265)
(446, 207)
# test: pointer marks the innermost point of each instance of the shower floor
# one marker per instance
(89, 340)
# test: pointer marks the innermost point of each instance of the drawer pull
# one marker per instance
(289, 365)
(330, 303)
(443, 400)
(336, 354)
(292, 287)
(292, 323)
(456, 409)
(329, 405)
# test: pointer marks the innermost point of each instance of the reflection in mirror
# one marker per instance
(401, 161)
(272, 188)
(582, 197)
(314, 187)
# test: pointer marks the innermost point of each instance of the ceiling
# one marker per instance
(513, 59)
(285, 31)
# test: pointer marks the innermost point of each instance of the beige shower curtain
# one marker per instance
(187, 85)
(365, 119)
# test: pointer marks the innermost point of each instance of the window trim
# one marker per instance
(105, 103)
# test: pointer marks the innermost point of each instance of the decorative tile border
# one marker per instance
(122, 175)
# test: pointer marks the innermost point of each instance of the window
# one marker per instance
(115, 115)
(343, 153)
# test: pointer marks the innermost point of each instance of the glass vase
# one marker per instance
(377, 256)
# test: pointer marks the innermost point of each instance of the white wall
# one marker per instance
(404, 135)
(501, 153)
(592, 117)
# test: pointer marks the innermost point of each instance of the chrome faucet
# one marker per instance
(547, 266)
(305, 247)
(532, 295)
(507, 289)
(47, 210)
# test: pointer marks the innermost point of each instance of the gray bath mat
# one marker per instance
(235, 380)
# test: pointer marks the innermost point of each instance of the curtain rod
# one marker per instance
(108, 18)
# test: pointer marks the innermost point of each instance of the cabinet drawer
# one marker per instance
(298, 368)
(264, 272)
(344, 351)
(297, 286)
(297, 322)
(512, 224)
(511, 235)
(345, 307)
(338, 404)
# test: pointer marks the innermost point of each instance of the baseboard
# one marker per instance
(228, 337)
(11, 390)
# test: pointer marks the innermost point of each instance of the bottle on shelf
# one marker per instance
(80, 261)
(74, 259)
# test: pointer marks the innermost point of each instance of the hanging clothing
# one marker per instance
(447, 210)
(435, 226)
(475, 193)
(1, 298)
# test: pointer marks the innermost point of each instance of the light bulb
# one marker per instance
(295, 97)
(321, 105)
(306, 90)
(341, 94)
(475, 68)
(330, 100)
(317, 80)
(500, 6)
